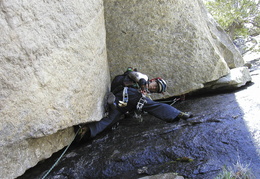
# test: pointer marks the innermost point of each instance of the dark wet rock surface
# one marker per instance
(225, 130)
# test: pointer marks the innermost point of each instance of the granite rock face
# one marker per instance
(236, 78)
(53, 58)
(55, 70)
(226, 47)
(21, 155)
(174, 39)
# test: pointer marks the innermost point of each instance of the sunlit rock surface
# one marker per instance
(54, 74)
(176, 40)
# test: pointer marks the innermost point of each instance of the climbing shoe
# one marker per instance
(185, 115)
(83, 134)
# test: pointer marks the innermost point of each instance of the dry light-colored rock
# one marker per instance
(53, 75)
(24, 154)
(236, 78)
(174, 39)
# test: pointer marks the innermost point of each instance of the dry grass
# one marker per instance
(238, 171)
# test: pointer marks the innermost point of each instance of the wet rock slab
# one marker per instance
(224, 131)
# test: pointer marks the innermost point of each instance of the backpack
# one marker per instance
(121, 81)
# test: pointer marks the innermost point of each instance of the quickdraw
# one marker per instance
(139, 107)
(141, 103)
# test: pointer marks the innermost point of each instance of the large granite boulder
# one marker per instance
(176, 40)
(54, 74)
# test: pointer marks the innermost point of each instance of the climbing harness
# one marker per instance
(61, 155)
(125, 98)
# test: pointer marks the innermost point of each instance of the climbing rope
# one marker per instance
(61, 155)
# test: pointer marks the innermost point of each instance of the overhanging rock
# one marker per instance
(175, 40)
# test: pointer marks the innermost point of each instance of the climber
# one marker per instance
(129, 93)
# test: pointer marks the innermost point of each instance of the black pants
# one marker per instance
(160, 110)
